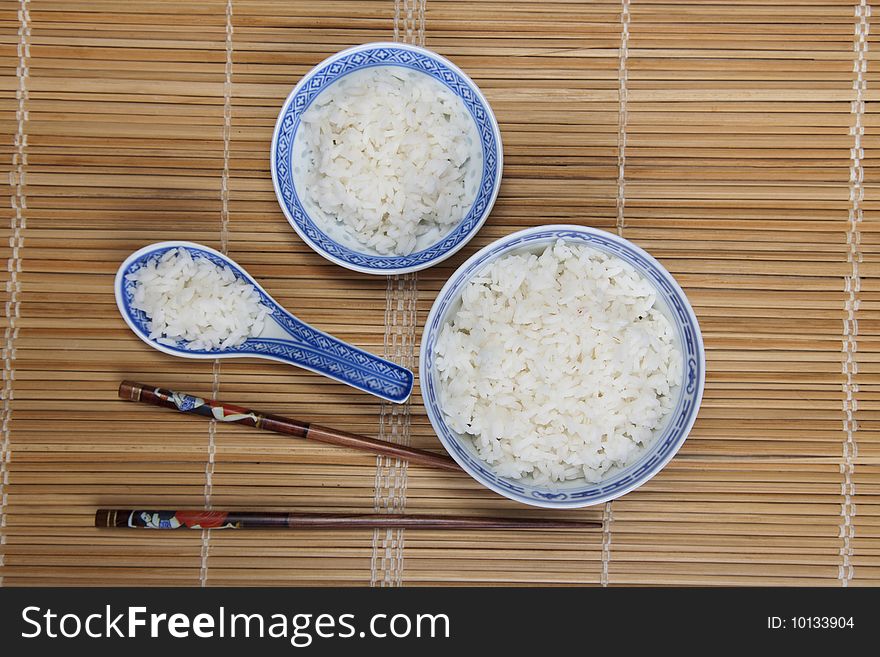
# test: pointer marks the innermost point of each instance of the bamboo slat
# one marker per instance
(736, 141)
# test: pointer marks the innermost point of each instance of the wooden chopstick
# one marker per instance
(224, 412)
(198, 519)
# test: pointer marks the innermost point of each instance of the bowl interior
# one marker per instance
(671, 302)
(331, 71)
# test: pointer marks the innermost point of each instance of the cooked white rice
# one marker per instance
(387, 160)
(558, 365)
(193, 300)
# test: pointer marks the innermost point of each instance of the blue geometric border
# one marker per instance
(661, 450)
(385, 55)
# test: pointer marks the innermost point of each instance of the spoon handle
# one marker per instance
(314, 350)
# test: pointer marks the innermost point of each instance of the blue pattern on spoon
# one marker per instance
(284, 338)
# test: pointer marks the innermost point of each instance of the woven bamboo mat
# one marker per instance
(734, 140)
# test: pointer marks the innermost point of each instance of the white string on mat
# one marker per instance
(401, 293)
(623, 55)
(210, 463)
(852, 287)
(18, 223)
(381, 548)
(412, 14)
(607, 524)
(622, 115)
(394, 426)
(227, 133)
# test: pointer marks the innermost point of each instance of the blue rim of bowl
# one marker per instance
(664, 447)
(358, 58)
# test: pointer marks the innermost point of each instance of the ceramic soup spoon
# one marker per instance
(283, 338)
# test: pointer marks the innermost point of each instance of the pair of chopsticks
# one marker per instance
(224, 412)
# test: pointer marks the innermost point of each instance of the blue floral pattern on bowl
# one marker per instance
(572, 494)
(331, 70)
(303, 345)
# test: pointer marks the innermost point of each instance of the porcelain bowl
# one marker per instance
(329, 72)
(671, 301)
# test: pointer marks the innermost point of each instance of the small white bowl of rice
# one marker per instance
(386, 158)
(562, 366)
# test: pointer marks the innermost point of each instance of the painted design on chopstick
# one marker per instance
(153, 520)
(184, 402)
(209, 408)
(180, 520)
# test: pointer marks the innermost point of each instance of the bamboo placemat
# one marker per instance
(734, 140)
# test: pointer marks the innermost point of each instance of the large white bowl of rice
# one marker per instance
(562, 366)
(386, 158)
